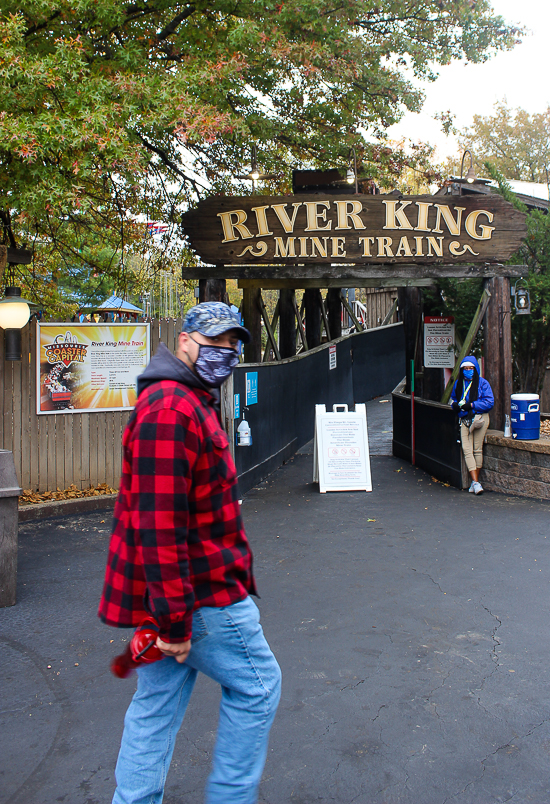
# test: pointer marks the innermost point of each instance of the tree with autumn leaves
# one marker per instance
(513, 144)
(114, 112)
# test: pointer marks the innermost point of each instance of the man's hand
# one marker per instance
(179, 650)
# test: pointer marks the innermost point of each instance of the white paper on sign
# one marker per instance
(341, 460)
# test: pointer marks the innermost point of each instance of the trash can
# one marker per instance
(9, 523)
(525, 417)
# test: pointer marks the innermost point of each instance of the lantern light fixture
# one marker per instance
(522, 301)
(255, 174)
(14, 314)
(471, 174)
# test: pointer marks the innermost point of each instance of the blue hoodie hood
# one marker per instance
(471, 359)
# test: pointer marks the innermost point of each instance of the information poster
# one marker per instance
(251, 396)
(90, 367)
(341, 449)
(439, 342)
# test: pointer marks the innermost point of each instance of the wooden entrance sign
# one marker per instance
(314, 236)
(326, 241)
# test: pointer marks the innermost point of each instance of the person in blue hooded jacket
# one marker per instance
(472, 398)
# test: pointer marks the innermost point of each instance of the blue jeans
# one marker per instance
(228, 645)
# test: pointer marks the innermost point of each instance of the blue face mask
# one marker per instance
(468, 373)
(215, 364)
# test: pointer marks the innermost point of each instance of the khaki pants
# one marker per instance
(472, 443)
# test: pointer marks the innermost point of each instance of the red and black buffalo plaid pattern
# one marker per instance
(178, 540)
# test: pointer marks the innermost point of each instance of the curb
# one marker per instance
(80, 505)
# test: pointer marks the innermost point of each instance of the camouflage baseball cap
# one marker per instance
(214, 318)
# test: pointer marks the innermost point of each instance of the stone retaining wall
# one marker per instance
(521, 468)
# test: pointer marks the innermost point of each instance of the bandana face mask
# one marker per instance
(468, 373)
(215, 364)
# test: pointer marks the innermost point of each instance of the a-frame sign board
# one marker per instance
(341, 460)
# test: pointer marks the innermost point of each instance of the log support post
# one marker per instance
(497, 347)
(252, 320)
(334, 312)
(213, 290)
(312, 312)
(410, 313)
(287, 323)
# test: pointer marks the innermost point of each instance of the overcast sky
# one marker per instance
(520, 76)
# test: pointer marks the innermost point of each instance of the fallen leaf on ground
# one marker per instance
(30, 497)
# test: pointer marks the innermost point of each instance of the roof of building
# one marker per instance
(116, 304)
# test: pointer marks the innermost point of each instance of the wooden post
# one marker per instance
(313, 317)
(497, 348)
(287, 323)
(252, 320)
(410, 311)
(213, 290)
(334, 305)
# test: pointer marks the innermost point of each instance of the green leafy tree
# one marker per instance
(120, 111)
(516, 142)
(530, 333)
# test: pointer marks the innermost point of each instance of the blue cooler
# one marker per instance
(525, 417)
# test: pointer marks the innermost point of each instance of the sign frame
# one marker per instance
(433, 353)
(80, 351)
(315, 235)
(341, 415)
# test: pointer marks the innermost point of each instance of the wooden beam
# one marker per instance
(213, 290)
(306, 284)
(329, 331)
(313, 317)
(410, 313)
(468, 341)
(358, 326)
(300, 324)
(334, 313)
(274, 322)
(497, 349)
(287, 323)
(270, 331)
(390, 314)
(252, 319)
(348, 274)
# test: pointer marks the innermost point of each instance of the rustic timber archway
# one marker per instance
(316, 241)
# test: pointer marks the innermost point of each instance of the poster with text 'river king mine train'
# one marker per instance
(85, 368)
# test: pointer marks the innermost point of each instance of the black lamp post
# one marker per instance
(471, 174)
(351, 175)
(255, 173)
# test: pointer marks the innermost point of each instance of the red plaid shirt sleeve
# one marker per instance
(164, 449)
(178, 541)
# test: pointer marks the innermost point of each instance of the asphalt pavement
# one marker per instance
(411, 625)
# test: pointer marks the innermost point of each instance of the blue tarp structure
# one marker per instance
(114, 304)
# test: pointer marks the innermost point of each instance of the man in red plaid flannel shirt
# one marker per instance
(179, 553)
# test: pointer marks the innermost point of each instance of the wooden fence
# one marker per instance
(53, 452)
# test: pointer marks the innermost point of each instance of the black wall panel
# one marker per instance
(369, 364)
(437, 448)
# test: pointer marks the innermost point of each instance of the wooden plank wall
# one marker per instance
(378, 302)
(54, 452)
